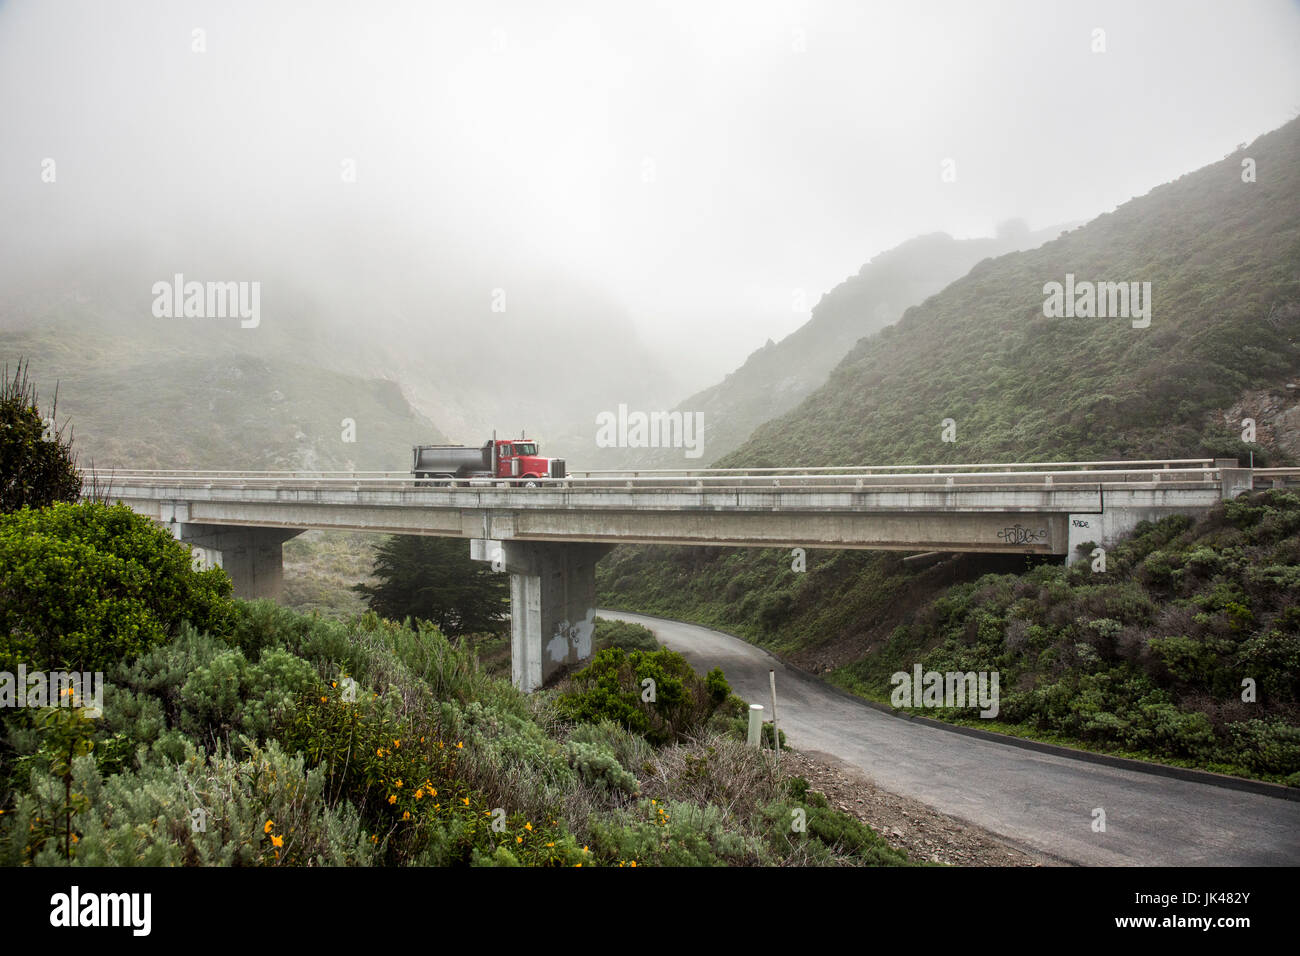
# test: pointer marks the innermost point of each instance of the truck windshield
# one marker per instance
(525, 448)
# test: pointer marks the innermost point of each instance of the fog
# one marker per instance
(685, 178)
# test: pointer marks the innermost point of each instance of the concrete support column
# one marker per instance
(1235, 480)
(552, 603)
(253, 557)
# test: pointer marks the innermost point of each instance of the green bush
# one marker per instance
(145, 817)
(631, 750)
(83, 586)
(600, 768)
(229, 697)
(624, 635)
(655, 694)
(37, 466)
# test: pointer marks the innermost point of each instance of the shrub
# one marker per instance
(145, 817)
(623, 634)
(83, 586)
(631, 750)
(229, 696)
(600, 768)
(1266, 746)
(37, 466)
(655, 694)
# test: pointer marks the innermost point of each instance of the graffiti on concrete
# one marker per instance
(1016, 534)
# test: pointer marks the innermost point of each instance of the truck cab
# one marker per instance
(518, 458)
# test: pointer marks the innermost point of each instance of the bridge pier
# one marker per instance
(253, 557)
(1105, 529)
(552, 603)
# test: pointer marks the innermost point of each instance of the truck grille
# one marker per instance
(557, 468)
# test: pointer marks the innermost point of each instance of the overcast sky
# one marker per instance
(695, 162)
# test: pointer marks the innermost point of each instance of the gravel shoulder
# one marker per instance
(927, 835)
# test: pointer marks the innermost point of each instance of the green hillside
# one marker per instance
(778, 376)
(138, 403)
(1222, 257)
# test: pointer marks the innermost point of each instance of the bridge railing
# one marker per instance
(1007, 467)
(881, 478)
(1278, 477)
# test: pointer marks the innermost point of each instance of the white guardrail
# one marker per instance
(1185, 472)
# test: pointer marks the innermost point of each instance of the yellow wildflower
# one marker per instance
(267, 828)
(406, 814)
(392, 798)
(277, 841)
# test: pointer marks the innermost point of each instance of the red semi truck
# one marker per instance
(510, 458)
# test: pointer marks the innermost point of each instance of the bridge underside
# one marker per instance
(252, 556)
(1009, 532)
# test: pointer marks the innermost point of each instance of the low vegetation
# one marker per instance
(243, 733)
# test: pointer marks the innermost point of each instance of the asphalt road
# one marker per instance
(1040, 801)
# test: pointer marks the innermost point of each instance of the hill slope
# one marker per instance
(1221, 257)
(139, 403)
(778, 376)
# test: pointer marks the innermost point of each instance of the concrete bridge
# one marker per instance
(549, 538)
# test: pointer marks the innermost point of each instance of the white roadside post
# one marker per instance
(776, 733)
(755, 738)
